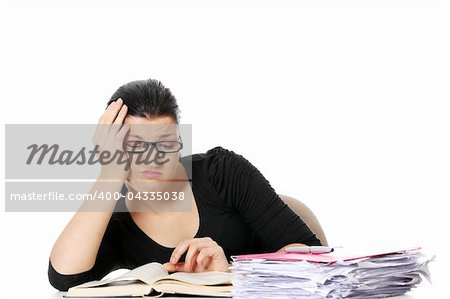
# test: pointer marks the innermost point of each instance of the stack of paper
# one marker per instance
(293, 275)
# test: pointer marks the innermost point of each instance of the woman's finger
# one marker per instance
(120, 136)
(102, 129)
(194, 249)
(117, 124)
(110, 113)
(204, 258)
(179, 250)
(121, 115)
(174, 267)
(183, 246)
(101, 119)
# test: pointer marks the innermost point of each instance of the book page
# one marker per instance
(212, 283)
(147, 273)
(176, 287)
(115, 290)
(202, 278)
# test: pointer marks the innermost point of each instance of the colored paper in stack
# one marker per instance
(332, 275)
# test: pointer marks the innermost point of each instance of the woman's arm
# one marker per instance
(76, 249)
(77, 246)
(240, 184)
(86, 250)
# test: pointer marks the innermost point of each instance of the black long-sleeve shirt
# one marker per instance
(237, 208)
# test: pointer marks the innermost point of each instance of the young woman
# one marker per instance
(232, 209)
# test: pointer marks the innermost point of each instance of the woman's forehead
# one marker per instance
(153, 132)
(152, 128)
(158, 120)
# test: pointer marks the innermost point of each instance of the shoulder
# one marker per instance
(218, 159)
(220, 165)
(222, 159)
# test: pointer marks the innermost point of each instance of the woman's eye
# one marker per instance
(135, 144)
(167, 145)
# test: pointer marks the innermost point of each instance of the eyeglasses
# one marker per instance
(167, 147)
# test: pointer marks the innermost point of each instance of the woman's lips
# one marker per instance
(150, 174)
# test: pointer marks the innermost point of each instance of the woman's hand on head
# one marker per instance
(109, 136)
(203, 254)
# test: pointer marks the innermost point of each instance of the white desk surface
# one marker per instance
(424, 291)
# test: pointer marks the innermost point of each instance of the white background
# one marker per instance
(343, 105)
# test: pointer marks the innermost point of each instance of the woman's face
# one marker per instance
(152, 168)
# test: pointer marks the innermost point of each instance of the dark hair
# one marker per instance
(147, 98)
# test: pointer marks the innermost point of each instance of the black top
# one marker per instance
(237, 208)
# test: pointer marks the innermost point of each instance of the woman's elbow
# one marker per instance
(62, 282)
(59, 285)
(58, 282)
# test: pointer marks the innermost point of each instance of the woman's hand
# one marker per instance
(291, 245)
(203, 254)
(109, 137)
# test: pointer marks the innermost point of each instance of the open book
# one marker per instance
(153, 279)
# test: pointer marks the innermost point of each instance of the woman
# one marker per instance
(231, 208)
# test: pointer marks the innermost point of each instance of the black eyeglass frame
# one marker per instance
(148, 143)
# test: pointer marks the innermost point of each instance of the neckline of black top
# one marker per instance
(199, 209)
